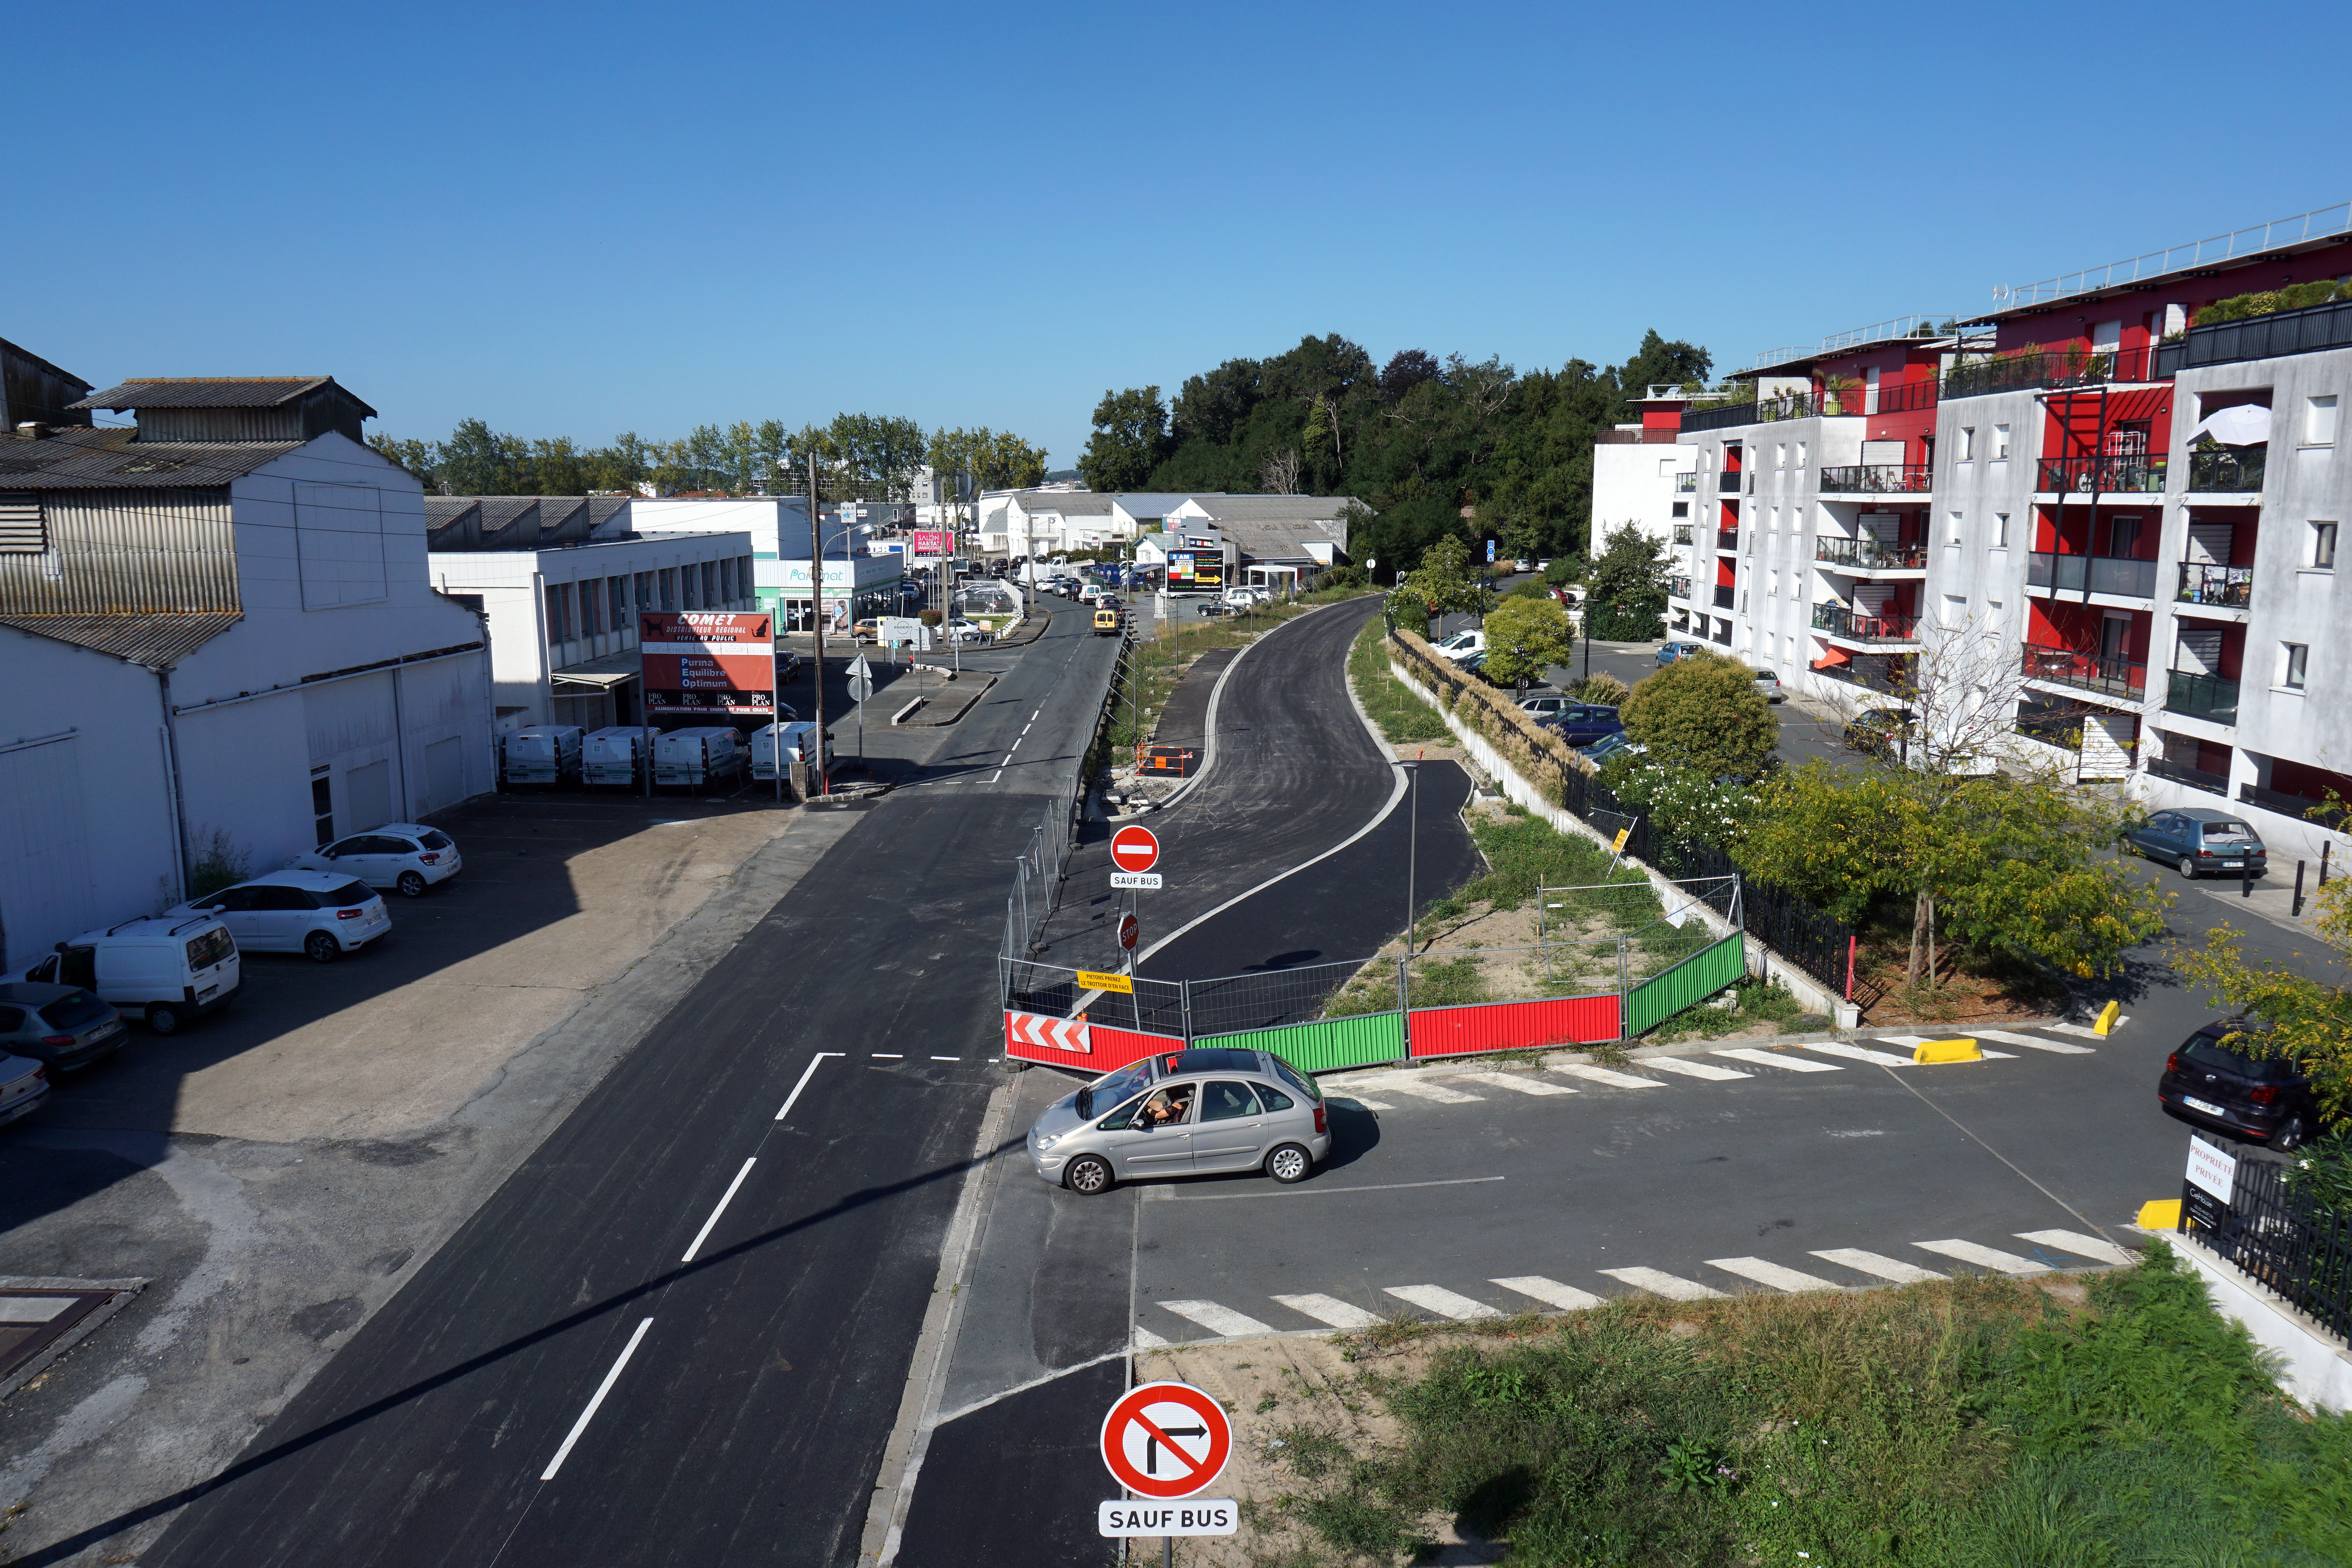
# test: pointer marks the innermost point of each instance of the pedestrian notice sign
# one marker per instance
(1618, 846)
(1094, 980)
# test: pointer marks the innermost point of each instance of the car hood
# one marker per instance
(1058, 1118)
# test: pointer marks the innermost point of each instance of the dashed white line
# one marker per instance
(890, 1055)
(589, 1414)
(1689, 1068)
(1859, 1054)
(811, 1072)
(1402, 1083)
(1768, 1273)
(1770, 1059)
(1519, 1081)
(1444, 1302)
(1984, 1256)
(724, 1199)
(1615, 1080)
(2057, 1047)
(946, 1058)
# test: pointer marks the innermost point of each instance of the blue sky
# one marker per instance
(584, 219)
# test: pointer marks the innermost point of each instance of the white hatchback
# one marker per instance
(404, 856)
(322, 915)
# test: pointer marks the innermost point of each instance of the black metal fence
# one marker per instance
(2282, 1235)
(2301, 332)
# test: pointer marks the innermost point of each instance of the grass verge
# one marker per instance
(1402, 717)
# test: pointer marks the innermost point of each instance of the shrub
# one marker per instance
(1703, 715)
(1604, 689)
(1525, 636)
(217, 861)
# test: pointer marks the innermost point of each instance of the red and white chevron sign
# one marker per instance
(1039, 1033)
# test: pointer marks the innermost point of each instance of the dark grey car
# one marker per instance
(2196, 839)
(60, 1026)
(1202, 1111)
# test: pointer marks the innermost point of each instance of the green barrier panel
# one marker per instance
(1354, 1042)
(1694, 980)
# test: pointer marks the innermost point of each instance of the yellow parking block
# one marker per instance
(2105, 1022)
(2163, 1214)
(1963, 1050)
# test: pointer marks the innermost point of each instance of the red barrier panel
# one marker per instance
(1514, 1026)
(1073, 1043)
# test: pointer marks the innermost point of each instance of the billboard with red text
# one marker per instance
(706, 663)
(930, 542)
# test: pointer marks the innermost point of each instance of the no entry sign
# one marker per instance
(1134, 850)
(1165, 1440)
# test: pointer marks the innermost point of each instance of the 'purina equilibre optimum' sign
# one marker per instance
(708, 662)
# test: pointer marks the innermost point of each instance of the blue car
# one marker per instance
(1674, 650)
(1581, 723)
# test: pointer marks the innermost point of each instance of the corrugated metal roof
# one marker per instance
(157, 641)
(208, 392)
(110, 459)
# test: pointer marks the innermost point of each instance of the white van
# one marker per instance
(795, 739)
(168, 970)
(611, 755)
(700, 755)
(541, 753)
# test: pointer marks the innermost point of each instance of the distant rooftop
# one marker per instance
(2321, 224)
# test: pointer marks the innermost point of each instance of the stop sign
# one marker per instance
(1134, 850)
(1129, 932)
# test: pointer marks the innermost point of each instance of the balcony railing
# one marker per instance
(1839, 621)
(1723, 596)
(1726, 539)
(2201, 696)
(2263, 337)
(2228, 587)
(1718, 418)
(1880, 479)
(2195, 778)
(2138, 474)
(2296, 806)
(2049, 367)
(1652, 435)
(2228, 471)
(2091, 574)
(1679, 588)
(1728, 483)
(2086, 671)
(1868, 554)
(1907, 398)
(1875, 673)
(1686, 484)
(1682, 534)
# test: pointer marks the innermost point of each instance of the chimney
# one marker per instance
(31, 430)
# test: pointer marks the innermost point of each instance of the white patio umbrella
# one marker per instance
(2239, 424)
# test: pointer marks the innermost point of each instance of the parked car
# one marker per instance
(2195, 839)
(1213, 1109)
(868, 630)
(1674, 650)
(405, 855)
(1544, 704)
(1608, 746)
(1881, 730)
(700, 755)
(1769, 684)
(961, 630)
(169, 969)
(540, 754)
(322, 915)
(2216, 1081)
(1463, 643)
(24, 1087)
(1089, 592)
(1523, 565)
(61, 1026)
(1582, 723)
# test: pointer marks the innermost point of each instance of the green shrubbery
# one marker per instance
(2271, 302)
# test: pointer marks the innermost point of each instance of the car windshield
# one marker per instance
(78, 1011)
(1116, 1086)
(347, 895)
(1295, 1079)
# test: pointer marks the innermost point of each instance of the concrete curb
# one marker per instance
(936, 704)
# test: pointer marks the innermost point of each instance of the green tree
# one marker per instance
(1625, 591)
(1443, 582)
(477, 460)
(996, 461)
(877, 454)
(1703, 716)
(419, 457)
(1524, 634)
(1130, 437)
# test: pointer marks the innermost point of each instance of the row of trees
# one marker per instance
(1434, 447)
(859, 457)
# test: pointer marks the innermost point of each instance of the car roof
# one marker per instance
(33, 993)
(2206, 814)
(309, 881)
(420, 827)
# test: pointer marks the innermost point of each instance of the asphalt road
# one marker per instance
(562, 1381)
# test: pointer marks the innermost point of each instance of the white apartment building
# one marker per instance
(1641, 474)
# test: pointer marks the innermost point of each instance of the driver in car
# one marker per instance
(1166, 1107)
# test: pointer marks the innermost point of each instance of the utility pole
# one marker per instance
(818, 756)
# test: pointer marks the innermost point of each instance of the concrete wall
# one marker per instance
(2312, 1365)
(1635, 483)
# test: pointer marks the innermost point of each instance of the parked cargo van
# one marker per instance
(795, 736)
(701, 755)
(542, 753)
(1108, 622)
(167, 970)
(612, 755)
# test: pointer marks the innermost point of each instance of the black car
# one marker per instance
(2217, 1082)
(1881, 730)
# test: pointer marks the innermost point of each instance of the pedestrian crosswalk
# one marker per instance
(2051, 1251)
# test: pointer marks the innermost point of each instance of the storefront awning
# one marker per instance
(600, 674)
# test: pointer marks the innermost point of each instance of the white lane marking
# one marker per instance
(1368, 1104)
(1032, 718)
(1672, 1287)
(1862, 1262)
(596, 1399)
(2082, 1246)
(1984, 1256)
(1910, 1042)
(724, 1199)
(1444, 1302)
(1615, 1080)
(1771, 1059)
(1519, 1081)
(1221, 1321)
(946, 1058)
(1859, 1054)
(1329, 1309)
(1767, 1273)
(1404, 1084)
(890, 1056)
(1689, 1068)
(1550, 1293)
(805, 1076)
(1145, 1340)
(2057, 1047)
(1317, 1190)
(2079, 1029)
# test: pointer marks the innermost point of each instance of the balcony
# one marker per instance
(1726, 539)
(1682, 534)
(1840, 622)
(1879, 479)
(1686, 484)
(2223, 587)
(1728, 483)
(1871, 555)
(2300, 806)
(1723, 596)
(2195, 778)
(1908, 398)
(2090, 575)
(2086, 672)
(2052, 367)
(1678, 588)
(2207, 696)
(1885, 675)
(2230, 471)
(2135, 474)
(2300, 331)
(1720, 416)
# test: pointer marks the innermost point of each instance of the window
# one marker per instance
(2000, 443)
(2323, 546)
(1226, 1101)
(2000, 530)
(1955, 610)
(620, 605)
(1772, 585)
(559, 612)
(589, 595)
(1968, 443)
(645, 590)
(322, 807)
(1992, 614)
(1682, 509)
(22, 531)
(2320, 421)
(1779, 454)
(668, 575)
(692, 582)
(1952, 528)
(2293, 657)
(1800, 454)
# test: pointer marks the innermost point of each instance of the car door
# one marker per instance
(1230, 1134)
(359, 855)
(2161, 836)
(1159, 1148)
(281, 916)
(235, 907)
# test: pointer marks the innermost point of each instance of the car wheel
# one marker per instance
(2289, 1136)
(2188, 868)
(1088, 1175)
(164, 1017)
(321, 947)
(412, 884)
(1288, 1162)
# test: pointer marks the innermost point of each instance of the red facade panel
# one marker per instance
(1514, 1026)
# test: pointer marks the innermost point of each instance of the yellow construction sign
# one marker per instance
(1090, 981)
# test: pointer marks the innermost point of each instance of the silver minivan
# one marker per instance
(1207, 1109)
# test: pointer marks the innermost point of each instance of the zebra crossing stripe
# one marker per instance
(1404, 1083)
(1329, 1309)
(1615, 1080)
(1444, 1302)
(1145, 1340)
(2057, 1047)
(1862, 1262)
(1221, 1321)
(1984, 1256)
(1772, 1060)
(1858, 1053)
(1771, 1273)
(1672, 1287)
(2078, 1029)
(1686, 1068)
(1367, 1104)
(2081, 1245)
(1519, 1081)
(1550, 1293)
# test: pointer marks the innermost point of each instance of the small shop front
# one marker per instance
(856, 589)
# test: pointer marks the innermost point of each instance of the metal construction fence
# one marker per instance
(2287, 1237)
(1038, 869)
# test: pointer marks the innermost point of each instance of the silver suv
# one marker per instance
(1182, 1113)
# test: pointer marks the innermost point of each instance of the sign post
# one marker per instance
(1166, 1442)
(861, 687)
